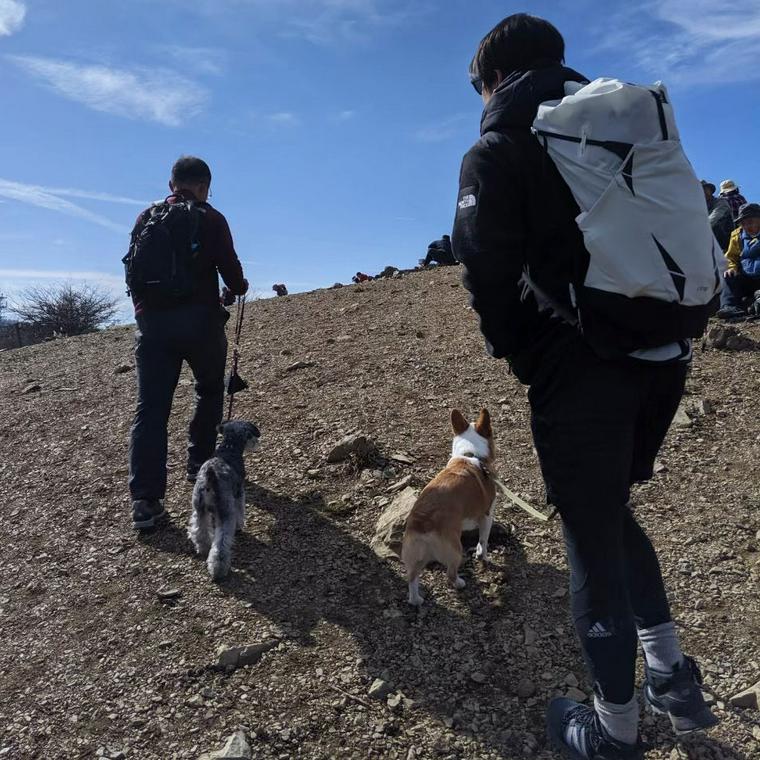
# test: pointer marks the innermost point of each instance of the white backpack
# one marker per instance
(654, 264)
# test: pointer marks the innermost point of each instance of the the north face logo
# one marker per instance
(467, 201)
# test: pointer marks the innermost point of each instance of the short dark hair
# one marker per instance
(190, 170)
(516, 44)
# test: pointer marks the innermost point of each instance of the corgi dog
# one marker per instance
(460, 497)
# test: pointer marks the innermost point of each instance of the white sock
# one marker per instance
(621, 722)
(661, 648)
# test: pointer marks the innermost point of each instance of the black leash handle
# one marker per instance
(236, 349)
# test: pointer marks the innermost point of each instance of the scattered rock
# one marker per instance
(31, 388)
(729, 338)
(231, 658)
(380, 689)
(389, 530)
(298, 365)
(571, 680)
(403, 457)
(576, 694)
(122, 369)
(525, 688)
(682, 419)
(529, 636)
(403, 483)
(356, 443)
(235, 748)
(478, 677)
(169, 594)
(747, 698)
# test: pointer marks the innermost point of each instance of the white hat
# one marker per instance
(727, 186)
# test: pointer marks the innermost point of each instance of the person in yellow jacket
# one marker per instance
(742, 278)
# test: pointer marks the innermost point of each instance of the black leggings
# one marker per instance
(597, 427)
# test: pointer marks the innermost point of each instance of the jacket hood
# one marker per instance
(515, 101)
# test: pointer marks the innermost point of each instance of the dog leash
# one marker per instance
(231, 388)
(511, 495)
(517, 501)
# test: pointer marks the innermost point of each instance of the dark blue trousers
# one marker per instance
(597, 427)
(738, 288)
(164, 339)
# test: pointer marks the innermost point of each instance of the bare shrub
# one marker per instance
(66, 309)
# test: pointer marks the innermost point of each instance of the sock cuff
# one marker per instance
(655, 630)
(602, 706)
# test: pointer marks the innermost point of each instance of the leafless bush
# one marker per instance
(66, 309)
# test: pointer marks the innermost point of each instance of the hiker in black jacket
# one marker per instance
(597, 423)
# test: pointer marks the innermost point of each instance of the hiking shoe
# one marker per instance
(146, 513)
(679, 696)
(731, 312)
(575, 730)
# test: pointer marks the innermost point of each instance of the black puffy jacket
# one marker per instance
(516, 216)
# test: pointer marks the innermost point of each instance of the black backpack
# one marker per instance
(161, 266)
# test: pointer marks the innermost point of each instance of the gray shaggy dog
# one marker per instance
(219, 497)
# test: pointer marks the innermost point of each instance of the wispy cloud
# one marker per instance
(204, 60)
(691, 41)
(51, 199)
(158, 95)
(283, 118)
(325, 21)
(446, 129)
(12, 15)
(344, 115)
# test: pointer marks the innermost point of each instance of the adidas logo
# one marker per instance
(598, 631)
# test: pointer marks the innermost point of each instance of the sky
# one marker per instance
(334, 128)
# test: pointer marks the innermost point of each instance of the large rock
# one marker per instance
(232, 658)
(389, 531)
(729, 338)
(747, 698)
(356, 443)
(236, 748)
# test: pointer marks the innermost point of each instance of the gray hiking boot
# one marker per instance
(146, 513)
(679, 696)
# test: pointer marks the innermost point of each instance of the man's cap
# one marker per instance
(728, 186)
(749, 211)
(709, 186)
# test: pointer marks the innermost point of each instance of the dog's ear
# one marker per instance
(483, 425)
(458, 423)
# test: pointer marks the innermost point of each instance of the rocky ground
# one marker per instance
(110, 641)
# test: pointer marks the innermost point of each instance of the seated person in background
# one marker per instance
(743, 275)
(439, 252)
(280, 289)
(720, 215)
(729, 190)
(361, 277)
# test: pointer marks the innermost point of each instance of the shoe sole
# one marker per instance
(566, 752)
(150, 522)
(682, 726)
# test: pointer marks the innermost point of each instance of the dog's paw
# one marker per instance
(481, 553)
(459, 583)
(416, 601)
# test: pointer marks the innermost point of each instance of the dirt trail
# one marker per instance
(92, 658)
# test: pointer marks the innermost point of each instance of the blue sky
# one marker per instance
(334, 128)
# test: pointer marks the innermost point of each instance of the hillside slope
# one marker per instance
(92, 658)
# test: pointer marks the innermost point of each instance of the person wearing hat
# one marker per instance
(720, 215)
(743, 273)
(730, 191)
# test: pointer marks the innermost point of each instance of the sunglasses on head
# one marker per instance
(477, 83)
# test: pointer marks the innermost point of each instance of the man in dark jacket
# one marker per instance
(597, 423)
(169, 333)
(439, 252)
